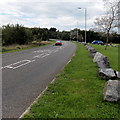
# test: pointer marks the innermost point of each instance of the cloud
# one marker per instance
(62, 14)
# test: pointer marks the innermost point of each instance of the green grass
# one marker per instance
(14, 48)
(111, 53)
(77, 92)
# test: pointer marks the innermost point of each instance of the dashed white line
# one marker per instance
(55, 51)
(45, 55)
(27, 62)
(24, 62)
(33, 61)
(38, 56)
(16, 65)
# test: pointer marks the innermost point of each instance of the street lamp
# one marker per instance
(85, 20)
(119, 17)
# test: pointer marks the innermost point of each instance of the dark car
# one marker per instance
(58, 43)
(97, 42)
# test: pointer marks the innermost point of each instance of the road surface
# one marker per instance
(25, 74)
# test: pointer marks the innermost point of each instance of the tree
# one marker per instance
(73, 34)
(107, 22)
(16, 34)
(52, 29)
(40, 33)
(65, 35)
(118, 14)
(8, 34)
(28, 35)
(53, 33)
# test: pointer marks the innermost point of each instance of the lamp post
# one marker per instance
(85, 20)
(119, 17)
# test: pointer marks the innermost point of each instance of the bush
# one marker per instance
(16, 34)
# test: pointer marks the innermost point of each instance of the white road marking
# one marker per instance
(41, 51)
(45, 55)
(55, 51)
(1, 68)
(8, 67)
(38, 56)
(33, 61)
(24, 62)
(38, 51)
(18, 64)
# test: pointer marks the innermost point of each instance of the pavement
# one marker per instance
(25, 74)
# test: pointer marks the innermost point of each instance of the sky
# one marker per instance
(61, 14)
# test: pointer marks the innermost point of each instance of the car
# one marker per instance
(58, 43)
(97, 42)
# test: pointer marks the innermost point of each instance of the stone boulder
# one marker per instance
(91, 50)
(98, 57)
(101, 60)
(103, 63)
(83, 43)
(112, 91)
(107, 73)
(114, 45)
(118, 74)
(87, 46)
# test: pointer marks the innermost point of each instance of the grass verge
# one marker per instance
(112, 54)
(14, 48)
(77, 92)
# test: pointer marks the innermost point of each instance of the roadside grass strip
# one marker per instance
(77, 92)
(112, 53)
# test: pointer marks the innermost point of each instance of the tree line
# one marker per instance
(18, 34)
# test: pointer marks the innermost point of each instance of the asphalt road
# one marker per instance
(25, 74)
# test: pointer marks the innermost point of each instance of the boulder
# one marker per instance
(107, 73)
(98, 57)
(114, 45)
(112, 91)
(84, 43)
(101, 60)
(118, 74)
(103, 64)
(87, 46)
(91, 50)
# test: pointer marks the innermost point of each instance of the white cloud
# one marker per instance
(62, 14)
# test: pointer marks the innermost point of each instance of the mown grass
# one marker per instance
(14, 48)
(112, 54)
(77, 92)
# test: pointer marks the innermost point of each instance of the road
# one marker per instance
(25, 74)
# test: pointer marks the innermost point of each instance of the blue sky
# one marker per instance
(61, 14)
